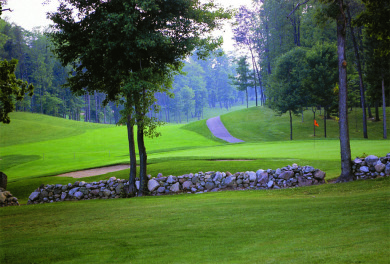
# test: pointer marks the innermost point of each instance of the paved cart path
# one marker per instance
(219, 130)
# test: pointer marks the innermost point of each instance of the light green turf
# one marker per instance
(333, 223)
(262, 124)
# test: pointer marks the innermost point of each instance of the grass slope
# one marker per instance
(262, 124)
(334, 223)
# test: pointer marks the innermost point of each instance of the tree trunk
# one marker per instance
(246, 94)
(291, 131)
(143, 189)
(325, 117)
(132, 190)
(345, 148)
(369, 111)
(359, 69)
(384, 107)
(377, 111)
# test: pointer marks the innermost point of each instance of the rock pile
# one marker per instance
(80, 190)
(290, 176)
(6, 198)
(371, 167)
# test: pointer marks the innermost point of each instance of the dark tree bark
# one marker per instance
(345, 148)
(359, 69)
(377, 111)
(384, 107)
(143, 189)
(291, 126)
(132, 190)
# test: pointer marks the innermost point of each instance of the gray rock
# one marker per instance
(286, 175)
(304, 182)
(209, 185)
(171, 179)
(277, 172)
(119, 188)
(187, 184)
(218, 176)
(153, 185)
(380, 167)
(161, 189)
(252, 176)
(371, 160)
(73, 191)
(78, 195)
(308, 169)
(229, 181)
(270, 184)
(63, 196)
(357, 161)
(387, 169)
(44, 193)
(82, 183)
(95, 192)
(319, 175)
(194, 179)
(106, 192)
(175, 187)
(263, 178)
(364, 169)
(33, 196)
(194, 190)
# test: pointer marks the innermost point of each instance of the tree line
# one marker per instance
(293, 54)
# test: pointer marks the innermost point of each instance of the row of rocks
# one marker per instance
(80, 190)
(7, 199)
(287, 177)
(371, 167)
(290, 176)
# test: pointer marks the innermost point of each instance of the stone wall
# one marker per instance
(80, 190)
(290, 176)
(371, 167)
(7, 199)
(286, 177)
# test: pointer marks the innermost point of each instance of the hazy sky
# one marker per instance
(31, 13)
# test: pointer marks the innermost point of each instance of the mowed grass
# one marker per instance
(333, 223)
(262, 124)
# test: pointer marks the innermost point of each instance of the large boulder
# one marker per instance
(34, 196)
(371, 160)
(286, 175)
(319, 175)
(380, 167)
(153, 185)
(187, 185)
(175, 187)
(252, 176)
(387, 169)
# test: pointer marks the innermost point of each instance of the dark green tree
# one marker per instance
(128, 49)
(244, 79)
(288, 93)
(11, 89)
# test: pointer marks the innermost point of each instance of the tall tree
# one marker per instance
(287, 93)
(243, 80)
(128, 49)
(11, 89)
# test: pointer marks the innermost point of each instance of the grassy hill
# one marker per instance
(262, 124)
(36, 147)
(331, 223)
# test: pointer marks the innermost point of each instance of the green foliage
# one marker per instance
(287, 91)
(11, 89)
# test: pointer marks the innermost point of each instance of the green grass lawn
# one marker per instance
(332, 223)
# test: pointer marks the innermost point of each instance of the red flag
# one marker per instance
(315, 123)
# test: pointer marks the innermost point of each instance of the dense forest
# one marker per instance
(290, 65)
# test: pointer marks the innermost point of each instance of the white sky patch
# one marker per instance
(30, 14)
